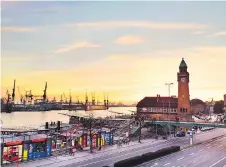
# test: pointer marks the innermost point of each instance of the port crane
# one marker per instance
(86, 99)
(8, 102)
(21, 96)
(61, 98)
(77, 98)
(44, 92)
(65, 99)
(70, 98)
(37, 97)
(28, 95)
(13, 93)
(93, 98)
(107, 102)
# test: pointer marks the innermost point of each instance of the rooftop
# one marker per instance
(183, 64)
(158, 102)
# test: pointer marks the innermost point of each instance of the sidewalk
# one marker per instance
(85, 155)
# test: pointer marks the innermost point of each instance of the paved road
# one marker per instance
(212, 154)
(111, 157)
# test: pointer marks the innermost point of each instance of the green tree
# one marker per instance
(219, 107)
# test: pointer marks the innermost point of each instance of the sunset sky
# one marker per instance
(128, 49)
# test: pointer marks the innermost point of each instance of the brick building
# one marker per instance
(169, 108)
(158, 108)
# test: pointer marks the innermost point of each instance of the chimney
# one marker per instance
(158, 96)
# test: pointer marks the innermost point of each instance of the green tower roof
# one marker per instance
(183, 64)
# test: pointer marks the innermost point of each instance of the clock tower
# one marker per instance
(184, 108)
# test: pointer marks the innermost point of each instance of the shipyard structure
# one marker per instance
(31, 102)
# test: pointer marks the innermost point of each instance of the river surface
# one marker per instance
(37, 118)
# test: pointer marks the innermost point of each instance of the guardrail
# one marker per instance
(187, 124)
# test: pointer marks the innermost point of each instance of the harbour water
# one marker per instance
(37, 118)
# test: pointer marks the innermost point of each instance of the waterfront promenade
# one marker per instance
(112, 154)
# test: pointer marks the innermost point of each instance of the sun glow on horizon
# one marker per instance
(127, 55)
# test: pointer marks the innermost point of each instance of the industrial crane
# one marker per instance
(86, 99)
(8, 104)
(93, 98)
(29, 96)
(70, 99)
(107, 106)
(105, 99)
(65, 98)
(44, 94)
(21, 96)
(13, 93)
(61, 99)
(41, 97)
(77, 98)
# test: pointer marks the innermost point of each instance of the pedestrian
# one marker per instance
(70, 151)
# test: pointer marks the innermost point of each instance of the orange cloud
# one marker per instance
(129, 39)
(76, 45)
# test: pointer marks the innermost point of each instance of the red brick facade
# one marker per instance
(169, 108)
(184, 107)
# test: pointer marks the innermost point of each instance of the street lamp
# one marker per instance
(100, 123)
(90, 131)
(169, 85)
(141, 118)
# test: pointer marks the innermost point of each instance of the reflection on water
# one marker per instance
(35, 119)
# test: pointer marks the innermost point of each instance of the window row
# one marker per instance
(172, 110)
(183, 110)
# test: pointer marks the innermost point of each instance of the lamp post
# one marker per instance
(90, 131)
(169, 85)
(140, 120)
(100, 134)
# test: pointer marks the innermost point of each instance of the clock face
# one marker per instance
(182, 79)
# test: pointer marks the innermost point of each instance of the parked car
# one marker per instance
(191, 131)
(180, 134)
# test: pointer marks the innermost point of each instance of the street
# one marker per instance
(111, 157)
(212, 154)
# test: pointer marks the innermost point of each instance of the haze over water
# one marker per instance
(35, 119)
